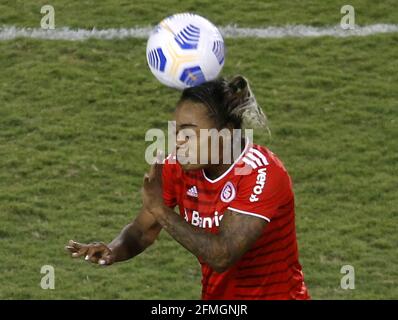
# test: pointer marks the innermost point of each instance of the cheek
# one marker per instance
(203, 149)
(194, 145)
(189, 150)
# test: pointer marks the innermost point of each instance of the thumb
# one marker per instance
(106, 260)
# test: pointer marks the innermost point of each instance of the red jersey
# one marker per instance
(258, 185)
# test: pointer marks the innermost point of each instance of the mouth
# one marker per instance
(185, 159)
(182, 156)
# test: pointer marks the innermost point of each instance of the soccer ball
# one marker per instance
(185, 50)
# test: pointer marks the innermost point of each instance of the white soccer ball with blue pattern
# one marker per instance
(185, 50)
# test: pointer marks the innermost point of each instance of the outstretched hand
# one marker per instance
(96, 252)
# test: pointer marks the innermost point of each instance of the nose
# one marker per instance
(181, 139)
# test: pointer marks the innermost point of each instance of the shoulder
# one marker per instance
(264, 185)
(259, 160)
(262, 171)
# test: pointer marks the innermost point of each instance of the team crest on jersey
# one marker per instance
(228, 193)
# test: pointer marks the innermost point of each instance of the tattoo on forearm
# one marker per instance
(236, 235)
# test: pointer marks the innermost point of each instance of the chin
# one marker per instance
(191, 167)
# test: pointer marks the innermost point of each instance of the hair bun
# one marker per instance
(229, 102)
(238, 84)
(243, 104)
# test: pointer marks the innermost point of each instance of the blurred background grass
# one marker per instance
(251, 13)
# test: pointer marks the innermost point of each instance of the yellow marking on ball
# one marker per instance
(192, 76)
(178, 59)
(166, 26)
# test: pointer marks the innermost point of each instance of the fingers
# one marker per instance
(155, 173)
(95, 252)
(76, 249)
(98, 252)
(159, 157)
(80, 253)
(106, 260)
(70, 249)
(151, 172)
(76, 245)
(158, 171)
(157, 167)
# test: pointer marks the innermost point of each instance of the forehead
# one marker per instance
(190, 112)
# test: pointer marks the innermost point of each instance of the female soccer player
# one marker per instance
(238, 219)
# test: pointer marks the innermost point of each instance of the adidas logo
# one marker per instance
(255, 159)
(193, 192)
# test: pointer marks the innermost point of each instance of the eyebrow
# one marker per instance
(185, 125)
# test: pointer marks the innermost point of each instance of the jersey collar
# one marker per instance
(231, 166)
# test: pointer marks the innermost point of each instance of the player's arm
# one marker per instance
(133, 239)
(237, 233)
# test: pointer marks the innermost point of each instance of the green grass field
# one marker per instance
(73, 117)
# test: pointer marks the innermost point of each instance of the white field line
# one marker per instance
(298, 31)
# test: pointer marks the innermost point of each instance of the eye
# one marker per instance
(182, 136)
(185, 133)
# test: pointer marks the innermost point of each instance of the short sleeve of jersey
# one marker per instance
(169, 192)
(263, 192)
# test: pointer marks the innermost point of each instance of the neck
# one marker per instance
(213, 171)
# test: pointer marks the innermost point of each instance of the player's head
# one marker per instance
(219, 106)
